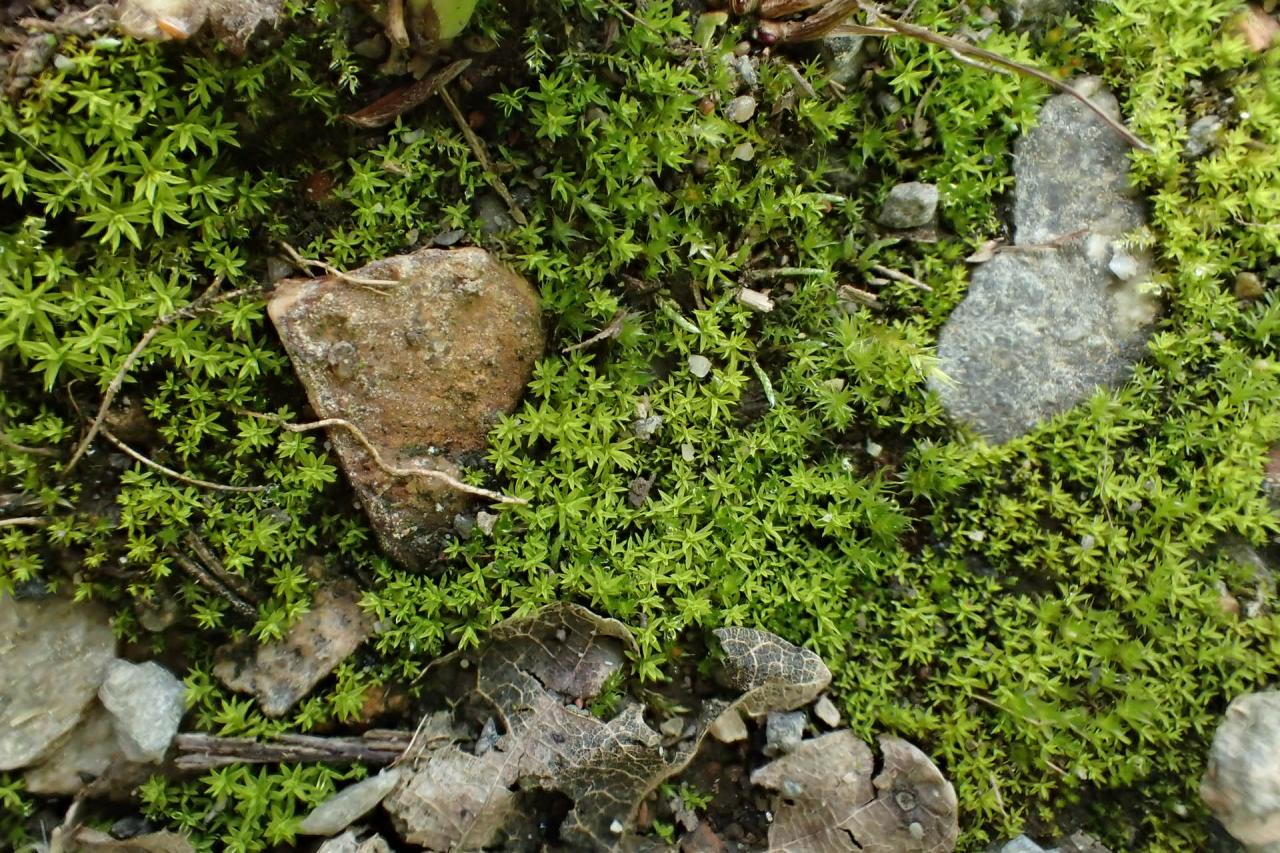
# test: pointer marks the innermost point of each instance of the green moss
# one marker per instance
(1043, 617)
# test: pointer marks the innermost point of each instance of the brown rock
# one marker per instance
(423, 368)
(1258, 29)
(1248, 286)
(282, 672)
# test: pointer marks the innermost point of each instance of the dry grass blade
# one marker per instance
(390, 107)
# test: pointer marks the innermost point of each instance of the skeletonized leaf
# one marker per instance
(828, 802)
(773, 674)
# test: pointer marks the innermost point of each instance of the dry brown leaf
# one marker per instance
(773, 674)
(829, 803)
(534, 674)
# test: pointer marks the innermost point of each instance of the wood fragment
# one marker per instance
(396, 30)
(234, 582)
(198, 751)
(391, 106)
(24, 521)
(849, 293)
(755, 300)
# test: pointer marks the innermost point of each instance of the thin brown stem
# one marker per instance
(206, 301)
(477, 148)
(169, 472)
(311, 263)
(609, 331)
(447, 480)
(901, 277)
(235, 583)
(206, 580)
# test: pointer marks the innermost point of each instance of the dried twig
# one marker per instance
(169, 472)
(197, 751)
(610, 331)
(832, 17)
(235, 583)
(329, 269)
(10, 444)
(852, 294)
(902, 277)
(396, 30)
(24, 521)
(210, 583)
(204, 302)
(447, 479)
(477, 148)
(389, 107)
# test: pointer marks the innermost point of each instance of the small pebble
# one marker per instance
(1248, 286)
(783, 732)
(755, 300)
(747, 71)
(672, 727)
(646, 428)
(745, 152)
(686, 452)
(699, 365)
(1123, 266)
(729, 727)
(485, 521)
(740, 109)
(824, 709)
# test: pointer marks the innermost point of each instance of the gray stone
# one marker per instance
(281, 672)
(1202, 135)
(350, 804)
(699, 365)
(845, 56)
(909, 205)
(783, 731)
(349, 842)
(53, 656)
(1080, 842)
(87, 751)
(1241, 784)
(1041, 330)
(824, 709)
(1072, 172)
(146, 703)
(1037, 333)
(493, 214)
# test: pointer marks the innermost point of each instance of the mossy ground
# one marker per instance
(1043, 617)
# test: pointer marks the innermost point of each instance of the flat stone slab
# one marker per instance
(423, 366)
(280, 673)
(54, 654)
(1048, 320)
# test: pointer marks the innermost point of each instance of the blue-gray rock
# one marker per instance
(53, 656)
(1072, 172)
(845, 57)
(1048, 321)
(146, 703)
(350, 804)
(909, 205)
(783, 732)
